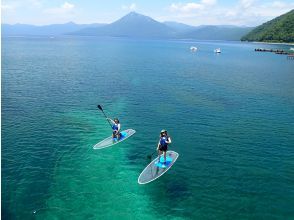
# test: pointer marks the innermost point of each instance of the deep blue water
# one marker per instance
(230, 116)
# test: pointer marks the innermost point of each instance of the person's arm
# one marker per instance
(158, 145)
(111, 121)
(168, 141)
(118, 127)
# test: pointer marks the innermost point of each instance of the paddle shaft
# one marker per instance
(99, 107)
(150, 156)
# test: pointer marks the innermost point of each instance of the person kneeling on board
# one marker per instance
(115, 128)
(162, 146)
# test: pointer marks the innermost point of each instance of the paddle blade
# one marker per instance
(99, 106)
(150, 155)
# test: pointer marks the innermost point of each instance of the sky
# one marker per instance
(198, 12)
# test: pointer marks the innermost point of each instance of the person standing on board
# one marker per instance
(115, 128)
(162, 146)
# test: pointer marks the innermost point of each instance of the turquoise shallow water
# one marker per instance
(231, 118)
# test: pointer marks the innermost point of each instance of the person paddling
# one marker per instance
(162, 146)
(116, 128)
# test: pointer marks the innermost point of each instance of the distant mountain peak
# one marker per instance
(71, 22)
(134, 15)
(133, 24)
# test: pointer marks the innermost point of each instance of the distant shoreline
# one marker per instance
(257, 42)
(180, 39)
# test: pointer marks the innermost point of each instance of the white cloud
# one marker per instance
(7, 7)
(35, 12)
(64, 9)
(208, 2)
(67, 6)
(24, 4)
(249, 11)
(246, 3)
(191, 6)
(64, 13)
(279, 4)
(130, 7)
(35, 3)
(243, 12)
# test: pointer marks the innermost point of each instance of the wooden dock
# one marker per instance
(272, 51)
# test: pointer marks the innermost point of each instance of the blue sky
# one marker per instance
(198, 12)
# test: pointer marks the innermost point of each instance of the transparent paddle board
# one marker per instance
(155, 170)
(112, 141)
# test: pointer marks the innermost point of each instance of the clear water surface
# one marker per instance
(230, 116)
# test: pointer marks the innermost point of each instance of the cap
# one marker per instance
(162, 131)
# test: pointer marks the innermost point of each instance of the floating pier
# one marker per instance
(272, 51)
(290, 57)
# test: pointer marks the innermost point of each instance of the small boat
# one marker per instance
(218, 50)
(193, 49)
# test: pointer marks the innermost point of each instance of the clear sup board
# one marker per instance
(156, 169)
(112, 141)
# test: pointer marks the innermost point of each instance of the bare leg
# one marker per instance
(115, 134)
(164, 154)
(159, 154)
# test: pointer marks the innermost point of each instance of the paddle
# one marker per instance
(150, 155)
(99, 107)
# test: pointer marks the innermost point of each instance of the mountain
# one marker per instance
(46, 30)
(180, 27)
(221, 32)
(137, 25)
(280, 29)
(131, 25)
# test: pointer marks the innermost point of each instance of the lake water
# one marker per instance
(230, 116)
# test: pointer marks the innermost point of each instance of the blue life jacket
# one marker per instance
(115, 127)
(163, 141)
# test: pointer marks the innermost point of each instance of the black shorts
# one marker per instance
(163, 148)
(115, 133)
